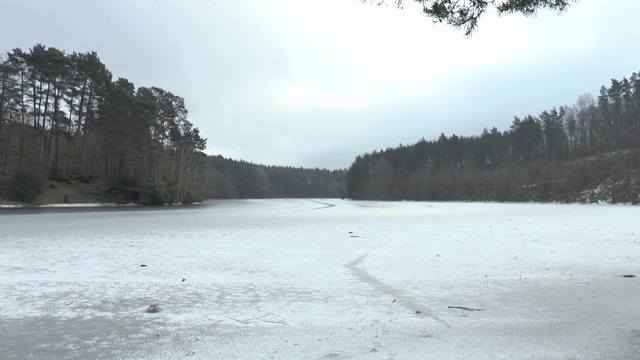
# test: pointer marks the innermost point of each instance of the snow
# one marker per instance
(69, 205)
(321, 279)
(9, 205)
(76, 205)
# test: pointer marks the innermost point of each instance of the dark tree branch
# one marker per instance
(465, 14)
(465, 308)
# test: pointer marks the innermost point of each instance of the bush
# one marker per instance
(28, 182)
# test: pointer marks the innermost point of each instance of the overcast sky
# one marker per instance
(315, 83)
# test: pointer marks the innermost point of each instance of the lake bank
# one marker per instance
(68, 194)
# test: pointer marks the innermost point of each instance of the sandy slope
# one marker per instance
(66, 193)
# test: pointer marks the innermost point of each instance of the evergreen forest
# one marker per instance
(64, 118)
(586, 152)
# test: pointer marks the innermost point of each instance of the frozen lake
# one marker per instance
(321, 279)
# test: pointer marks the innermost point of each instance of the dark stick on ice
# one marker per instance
(465, 308)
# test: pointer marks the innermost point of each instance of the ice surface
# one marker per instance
(321, 279)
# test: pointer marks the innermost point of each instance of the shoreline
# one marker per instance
(68, 194)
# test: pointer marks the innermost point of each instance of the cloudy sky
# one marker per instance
(315, 83)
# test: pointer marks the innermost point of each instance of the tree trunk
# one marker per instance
(85, 130)
(44, 132)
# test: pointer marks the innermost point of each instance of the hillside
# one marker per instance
(582, 153)
(70, 131)
(226, 179)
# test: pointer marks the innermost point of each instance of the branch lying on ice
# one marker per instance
(465, 308)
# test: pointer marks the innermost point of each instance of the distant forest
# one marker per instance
(64, 119)
(587, 152)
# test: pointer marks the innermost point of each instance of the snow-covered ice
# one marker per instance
(321, 279)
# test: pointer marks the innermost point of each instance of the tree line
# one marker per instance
(583, 152)
(244, 180)
(64, 118)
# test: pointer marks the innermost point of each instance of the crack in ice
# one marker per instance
(400, 296)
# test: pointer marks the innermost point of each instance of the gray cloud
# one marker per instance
(315, 84)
